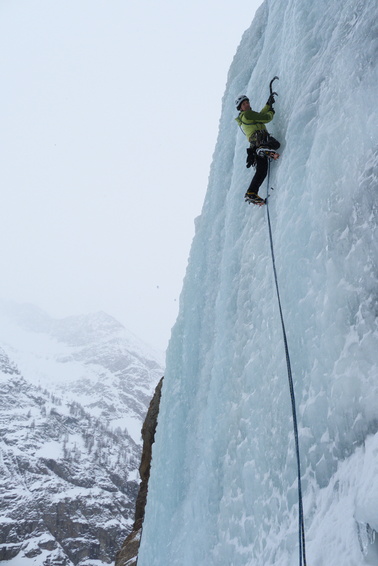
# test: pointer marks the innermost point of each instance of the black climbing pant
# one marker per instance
(262, 166)
(259, 176)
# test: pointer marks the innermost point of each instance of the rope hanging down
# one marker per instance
(301, 529)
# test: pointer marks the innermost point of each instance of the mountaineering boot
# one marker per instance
(267, 152)
(254, 198)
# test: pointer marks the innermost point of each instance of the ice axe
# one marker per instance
(271, 88)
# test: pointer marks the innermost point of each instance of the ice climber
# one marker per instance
(262, 145)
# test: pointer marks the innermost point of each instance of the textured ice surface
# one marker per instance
(223, 482)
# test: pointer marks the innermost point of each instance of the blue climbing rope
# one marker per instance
(301, 529)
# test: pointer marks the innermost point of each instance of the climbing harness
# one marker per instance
(301, 528)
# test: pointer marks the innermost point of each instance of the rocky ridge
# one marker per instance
(73, 396)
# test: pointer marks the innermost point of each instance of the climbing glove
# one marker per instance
(251, 157)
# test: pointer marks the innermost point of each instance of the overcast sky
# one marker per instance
(109, 118)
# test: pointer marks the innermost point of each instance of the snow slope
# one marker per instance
(90, 359)
(73, 396)
(223, 481)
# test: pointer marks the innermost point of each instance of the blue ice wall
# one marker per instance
(223, 481)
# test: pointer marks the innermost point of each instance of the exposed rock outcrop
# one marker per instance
(67, 481)
(127, 556)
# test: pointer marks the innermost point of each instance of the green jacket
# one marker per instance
(251, 121)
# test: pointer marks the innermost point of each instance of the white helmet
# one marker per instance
(239, 100)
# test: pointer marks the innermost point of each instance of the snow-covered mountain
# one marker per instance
(74, 393)
(223, 486)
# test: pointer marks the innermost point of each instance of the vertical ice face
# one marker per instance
(223, 481)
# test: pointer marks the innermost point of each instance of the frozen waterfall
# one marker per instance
(223, 488)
